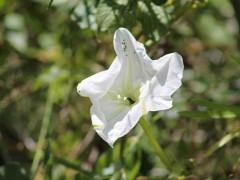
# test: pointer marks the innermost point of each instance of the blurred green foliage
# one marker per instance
(47, 47)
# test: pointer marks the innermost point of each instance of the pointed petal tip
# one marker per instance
(111, 145)
(180, 59)
(122, 29)
(122, 32)
(177, 58)
(177, 55)
(111, 142)
(119, 32)
(79, 88)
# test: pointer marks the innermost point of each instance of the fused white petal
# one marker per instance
(121, 122)
(132, 86)
(97, 85)
(167, 79)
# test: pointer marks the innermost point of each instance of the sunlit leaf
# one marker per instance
(120, 175)
(84, 14)
(222, 142)
(154, 19)
(18, 40)
(111, 15)
(14, 21)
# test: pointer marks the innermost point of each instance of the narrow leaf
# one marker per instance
(222, 142)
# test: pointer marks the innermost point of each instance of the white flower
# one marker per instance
(132, 86)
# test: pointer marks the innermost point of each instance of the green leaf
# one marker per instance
(208, 114)
(16, 34)
(109, 162)
(80, 176)
(48, 161)
(236, 163)
(215, 111)
(222, 142)
(84, 14)
(195, 114)
(14, 22)
(216, 106)
(234, 57)
(58, 81)
(111, 15)
(51, 75)
(13, 171)
(106, 15)
(58, 160)
(18, 40)
(154, 19)
(159, 2)
(223, 114)
(120, 175)
(215, 30)
(133, 167)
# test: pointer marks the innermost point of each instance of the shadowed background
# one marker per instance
(48, 47)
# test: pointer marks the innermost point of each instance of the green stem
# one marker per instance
(43, 134)
(181, 11)
(50, 4)
(77, 167)
(164, 158)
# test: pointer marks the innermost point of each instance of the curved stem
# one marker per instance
(42, 135)
(164, 158)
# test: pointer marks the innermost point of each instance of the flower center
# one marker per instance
(125, 100)
(130, 100)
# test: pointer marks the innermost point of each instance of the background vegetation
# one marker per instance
(47, 47)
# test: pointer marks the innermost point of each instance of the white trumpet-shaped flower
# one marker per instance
(132, 86)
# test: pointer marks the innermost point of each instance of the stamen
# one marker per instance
(119, 96)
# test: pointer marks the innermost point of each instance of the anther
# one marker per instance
(130, 101)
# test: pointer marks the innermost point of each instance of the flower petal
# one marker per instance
(112, 129)
(136, 65)
(157, 92)
(132, 76)
(97, 85)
